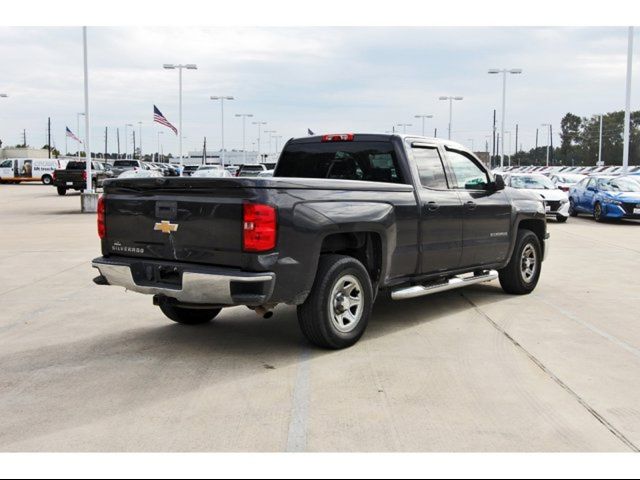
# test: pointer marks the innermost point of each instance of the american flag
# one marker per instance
(72, 136)
(158, 117)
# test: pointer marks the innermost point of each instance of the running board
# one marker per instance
(454, 282)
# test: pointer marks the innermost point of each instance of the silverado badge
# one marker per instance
(165, 226)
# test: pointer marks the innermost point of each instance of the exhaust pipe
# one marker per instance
(264, 311)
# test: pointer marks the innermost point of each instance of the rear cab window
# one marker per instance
(374, 161)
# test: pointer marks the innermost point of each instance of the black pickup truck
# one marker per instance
(74, 176)
(344, 218)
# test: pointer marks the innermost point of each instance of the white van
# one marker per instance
(16, 170)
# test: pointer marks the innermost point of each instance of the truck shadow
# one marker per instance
(109, 375)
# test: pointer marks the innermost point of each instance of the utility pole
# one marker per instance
(24, 137)
(204, 151)
(49, 136)
(118, 139)
(106, 142)
(535, 152)
(600, 143)
(516, 153)
(435, 132)
(551, 142)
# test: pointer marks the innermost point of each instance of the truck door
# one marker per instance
(487, 212)
(6, 169)
(440, 213)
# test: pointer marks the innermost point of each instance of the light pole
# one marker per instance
(270, 132)
(472, 144)
(259, 124)
(180, 67)
(627, 110)
(404, 126)
(78, 115)
(159, 133)
(126, 139)
(244, 116)
(140, 140)
(277, 137)
(222, 99)
(423, 116)
(508, 132)
(548, 140)
(451, 99)
(87, 127)
(504, 71)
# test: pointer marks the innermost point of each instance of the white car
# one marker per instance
(564, 181)
(211, 172)
(556, 202)
(140, 173)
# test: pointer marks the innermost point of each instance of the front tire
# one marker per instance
(572, 208)
(521, 274)
(62, 191)
(597, 213)
(337, 311)
(189, 316)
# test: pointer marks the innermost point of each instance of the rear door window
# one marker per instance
(430, 168)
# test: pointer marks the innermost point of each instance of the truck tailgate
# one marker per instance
(200, 224)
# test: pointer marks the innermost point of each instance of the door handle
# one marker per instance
(470, 205)
(432, 206)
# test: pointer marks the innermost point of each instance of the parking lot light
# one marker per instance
(222, 99)
(451, 98)
(423, 117)
(260, 125)
(504, 71)
(180, 67)
(548, 140)
(244, 117)
(404, 126)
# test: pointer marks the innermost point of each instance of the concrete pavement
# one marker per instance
(89, 368)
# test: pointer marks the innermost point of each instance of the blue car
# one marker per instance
(605, 197)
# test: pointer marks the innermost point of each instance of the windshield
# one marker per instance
(532, 182)
(623, 185)
(367, 160)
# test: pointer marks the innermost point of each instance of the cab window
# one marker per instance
(7, 164)
(468, 174)
(430, 168)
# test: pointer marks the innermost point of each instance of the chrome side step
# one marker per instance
(454, 282)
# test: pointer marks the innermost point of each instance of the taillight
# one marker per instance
(53, 175)
(84, 175)
(259, 227)
(338, 137)
(102, 226)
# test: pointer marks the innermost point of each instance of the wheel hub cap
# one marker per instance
(345, 306)
(528, 263)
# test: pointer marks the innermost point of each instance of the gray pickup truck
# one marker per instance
(344, 218)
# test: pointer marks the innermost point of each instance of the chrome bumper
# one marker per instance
(204, 287)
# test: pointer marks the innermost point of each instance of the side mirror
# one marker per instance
(498, 182)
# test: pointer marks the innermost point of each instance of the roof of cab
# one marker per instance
(382, 137)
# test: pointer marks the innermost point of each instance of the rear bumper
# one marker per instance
(187, 283)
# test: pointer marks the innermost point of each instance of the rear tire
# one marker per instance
(189, 316)
(521, 274)
(62, 191)
(46, 179)
(337, 311)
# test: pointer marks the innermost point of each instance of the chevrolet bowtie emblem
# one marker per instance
(165, 226)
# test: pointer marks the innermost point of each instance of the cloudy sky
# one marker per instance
(327, 79)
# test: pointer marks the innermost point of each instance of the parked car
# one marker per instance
(74, 176)
(606, 197)
(564, 181)
(124, 165)
(18, 170)
(556, 202)
(266, 173)
(141, 173)
(210, 171)
(345, 217)
(251, 170)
